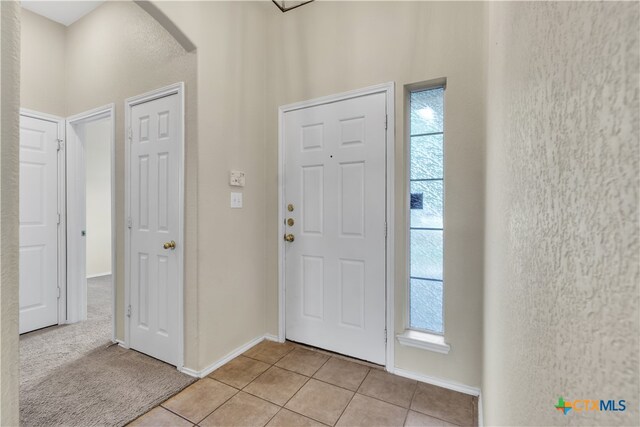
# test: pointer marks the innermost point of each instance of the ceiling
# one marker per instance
(63, 12)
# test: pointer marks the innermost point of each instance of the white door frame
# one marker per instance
(129, 103)
(62, 247)
(389, 91)
(78, 311)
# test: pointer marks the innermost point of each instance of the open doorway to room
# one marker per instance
(72, 370)
(91, 210)
(67, 189)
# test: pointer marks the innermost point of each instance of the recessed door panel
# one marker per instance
(352, 199)
(33, 209)
(312, 137)
(143, 291)
(352, 131)
(352, 286)
(312, 286)
(33, 291)
(143, 191)
(312, 199)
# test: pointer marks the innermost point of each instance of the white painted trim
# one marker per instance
(105, 111)
(424, 341)
(391, 224)
(451, 385)
(480, 412)
(129, 103)
(121, 344)
(62, 209)
(389, 90)
(430, 84)
(271, 337)
(41, 116)
(95, 276)
(226, 359)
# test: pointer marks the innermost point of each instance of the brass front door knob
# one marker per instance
(289, 237)
(170, 245)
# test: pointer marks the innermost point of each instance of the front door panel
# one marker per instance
(335, 268)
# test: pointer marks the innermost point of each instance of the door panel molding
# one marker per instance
(174, 89)
(62, 250)
(349, 135)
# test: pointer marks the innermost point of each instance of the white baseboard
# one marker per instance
(190, 372)
(451, 385)
(120, 343)
(232, 355)
(94, 276)
(271, 337)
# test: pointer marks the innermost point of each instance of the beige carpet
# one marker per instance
(71, 375)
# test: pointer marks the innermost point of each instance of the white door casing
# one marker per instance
(335, 269)
(76, 141)
(154, 198)
(76, 227)
(40, 222)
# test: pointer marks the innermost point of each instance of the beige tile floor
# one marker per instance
(288, 384)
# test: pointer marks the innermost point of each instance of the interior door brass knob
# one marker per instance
(289, 237)
(290, 222)
(170, 245)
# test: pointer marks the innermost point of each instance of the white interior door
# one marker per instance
(154, 206)
(335, 268)
(38, 223)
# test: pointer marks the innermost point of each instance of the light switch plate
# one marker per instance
(236, 178)
(236, 200)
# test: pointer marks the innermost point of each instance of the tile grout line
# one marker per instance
(413, 396)
(335, 385)
(273, 365)
(350, 400)
(274, 415)
(169, 410)
(346, 406)
(220, 405)
(297, 391)
(329, 356)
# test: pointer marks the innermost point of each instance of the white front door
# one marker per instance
(154, 194)
(38, 223)
(335, 268)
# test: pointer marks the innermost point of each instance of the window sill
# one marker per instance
(424, 341)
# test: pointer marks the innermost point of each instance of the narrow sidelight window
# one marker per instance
(427, 208)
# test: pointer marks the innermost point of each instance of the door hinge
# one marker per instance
(129, 223)
(130, 133)
(60, 144)
(129, 311)
(385, 229)
(386, 122)
(59, 292)
(385, 335)
(59, 218)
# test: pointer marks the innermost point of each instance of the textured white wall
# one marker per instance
(115, 52)
(9, 137)
(331, 47)
(97, 143)
(42, 70)
(232, 54)
(562, 240)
